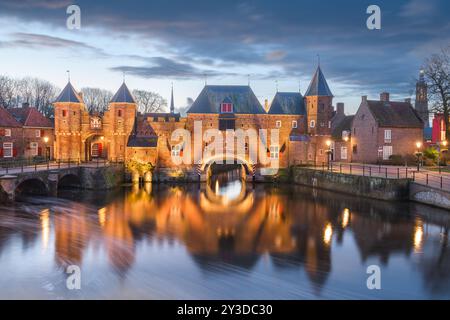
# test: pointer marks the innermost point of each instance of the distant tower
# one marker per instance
(172, 106)
(421, 103)
(319, 107)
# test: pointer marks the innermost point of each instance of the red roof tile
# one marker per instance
(31, 117)
(7, 120)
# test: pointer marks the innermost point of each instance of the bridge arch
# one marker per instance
(69, 180)
(206, 163)
(32, 186)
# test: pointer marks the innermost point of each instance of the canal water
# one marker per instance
(222, 240)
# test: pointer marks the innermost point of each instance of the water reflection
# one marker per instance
(186, 241)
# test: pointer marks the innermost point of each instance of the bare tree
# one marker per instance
(96, 99)
(8, 91)
(149, 101)
(437, 75)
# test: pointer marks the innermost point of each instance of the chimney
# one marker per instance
(364, 98)
(408, 100)
(25, 105)
(340, 108)
(266, 105)
(384, 96)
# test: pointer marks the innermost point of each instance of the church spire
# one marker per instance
(318, 85)
(172, 107)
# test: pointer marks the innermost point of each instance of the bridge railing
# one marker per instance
(19, 166)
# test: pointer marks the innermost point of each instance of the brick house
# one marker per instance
(10, 135)
(342, 139)
(384, 128)
(37, 132)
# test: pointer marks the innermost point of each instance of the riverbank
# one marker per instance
(390, 189)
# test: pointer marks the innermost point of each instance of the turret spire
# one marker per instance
(172, 106)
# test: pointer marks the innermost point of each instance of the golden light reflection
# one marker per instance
(45, 225)
(328, 234)
(345, 218)
(102, 216)
(217, 188)
(418, 238)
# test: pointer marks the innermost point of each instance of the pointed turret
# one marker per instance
(172, 106)
(69, 94)
(318, 85)
(319, 107)
(123, 95)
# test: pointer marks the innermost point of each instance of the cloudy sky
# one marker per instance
(157, 42)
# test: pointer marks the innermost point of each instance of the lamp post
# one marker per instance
(329, 153)
(47, 156)
(442, 147)
(418, 154)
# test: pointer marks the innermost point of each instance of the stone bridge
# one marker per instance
(47, 182)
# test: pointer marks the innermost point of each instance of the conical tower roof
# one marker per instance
(318, 85)
(123, 95)
(69, 94)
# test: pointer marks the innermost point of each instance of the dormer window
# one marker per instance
(226, 107)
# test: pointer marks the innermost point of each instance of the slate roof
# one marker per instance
(30, 117)
(142, 142)
(143, 135)
(7, 120)
(394, 114)
(318, 85)
(69, 94)
(242, 97)
(288, 103)
(344, 125)
(123, 95)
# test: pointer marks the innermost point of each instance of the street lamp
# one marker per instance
(418, 154)
(46, 148)
(329, 152)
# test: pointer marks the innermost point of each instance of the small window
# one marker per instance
(119, 113)
(226, 108)
(64, 113)
(329, 124)
(355, 149)
(7, 150)
(278, 124)
(387, 136)
(176, 150)
(74, 113)
(38, 133)
(387, 152)
(294, 124)
(7, 132)
(34, 148)
(312, 123)
(320, 152)
(274, 152)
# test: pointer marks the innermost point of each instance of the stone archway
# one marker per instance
(204, 168)
(32, 186)
(95, 147)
